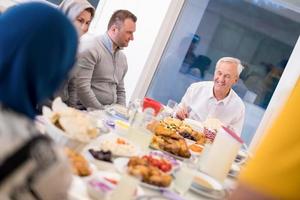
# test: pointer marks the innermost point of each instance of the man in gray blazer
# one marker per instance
(101, 65)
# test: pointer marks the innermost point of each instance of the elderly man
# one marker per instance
(216, 99)
(102, 65)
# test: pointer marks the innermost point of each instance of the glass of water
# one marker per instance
(172, 104)
(171, 107)
(184, 177)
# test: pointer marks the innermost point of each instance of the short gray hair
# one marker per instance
(231, 60)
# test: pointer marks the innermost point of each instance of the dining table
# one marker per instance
(109, 125)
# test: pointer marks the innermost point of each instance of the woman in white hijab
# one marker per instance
(80, 12)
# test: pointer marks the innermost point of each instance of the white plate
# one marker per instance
(153, 187)
(215, 192)
(121, 166)
(170, 154)
(117, 111)
(108, 142)
(214, 184)
(211, 195)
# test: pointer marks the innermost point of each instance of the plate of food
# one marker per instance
(101, 159)
(167, 158)
(172, 144)
(118, 146)
(189, 129)
(207, 186)
(162, 161)
(118, 111)
(189, 133)
(179, 158)
(178, 140)
(80, 165)
(142, 167)
(68, 126)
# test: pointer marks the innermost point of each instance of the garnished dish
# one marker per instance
(158, 162)
(168, 140)
(79, 164)
(148, 171)
(174, 146)
(170, 134)
(170, 159)
(118, 147)
(183, 129)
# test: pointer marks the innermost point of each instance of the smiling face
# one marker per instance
(122, 33)
(225, 77)
(82, 22)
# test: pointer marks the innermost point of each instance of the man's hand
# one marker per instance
(182, 113)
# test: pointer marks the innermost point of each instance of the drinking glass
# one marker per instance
(172, 104)
(126, 188)
(184, 177)
(171, 107)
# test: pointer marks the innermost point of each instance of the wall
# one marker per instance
(151, 15)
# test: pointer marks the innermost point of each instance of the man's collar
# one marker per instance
(108, 43)
(225, 100)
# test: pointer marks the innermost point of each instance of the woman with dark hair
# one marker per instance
(80, 12)
(37, 49)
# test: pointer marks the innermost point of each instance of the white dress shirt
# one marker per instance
(200, 98)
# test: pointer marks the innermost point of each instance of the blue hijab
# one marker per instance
(37, 49)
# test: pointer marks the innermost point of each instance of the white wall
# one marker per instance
(150, 16)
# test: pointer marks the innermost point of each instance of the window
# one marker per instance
(262, 34)
(93, 2)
